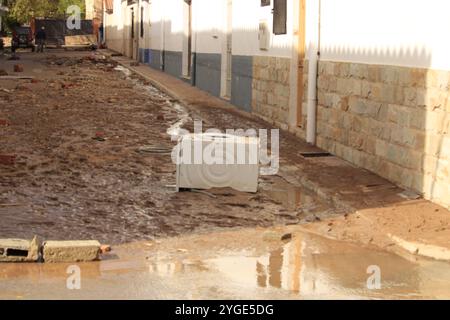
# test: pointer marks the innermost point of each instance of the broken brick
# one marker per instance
(4, 122)
(7, 160)
(18, 68)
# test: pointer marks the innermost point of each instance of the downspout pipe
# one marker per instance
(313, 56)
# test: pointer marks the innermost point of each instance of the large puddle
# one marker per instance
(243, 264)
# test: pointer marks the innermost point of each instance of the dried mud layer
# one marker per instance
(77, 162)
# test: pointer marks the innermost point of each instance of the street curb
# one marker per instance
(421, 249)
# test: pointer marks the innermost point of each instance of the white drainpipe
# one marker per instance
(313, 55)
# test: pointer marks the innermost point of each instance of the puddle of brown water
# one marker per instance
(233, 265)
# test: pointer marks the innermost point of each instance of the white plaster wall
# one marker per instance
(173, 25)
(246, 17)
(209, 25)
(392, 32)
(114, 27)
(156, 23)
(144, 43)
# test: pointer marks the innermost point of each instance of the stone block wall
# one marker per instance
(271, 89)
(391, 120)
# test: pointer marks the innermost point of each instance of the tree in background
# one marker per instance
(22, 11)
(64, 4)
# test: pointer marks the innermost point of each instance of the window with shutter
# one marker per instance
(142, 22)
(279, 17)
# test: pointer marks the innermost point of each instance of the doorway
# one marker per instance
(187, 40)
(133, 44)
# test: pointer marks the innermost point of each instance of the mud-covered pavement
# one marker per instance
(77, 162)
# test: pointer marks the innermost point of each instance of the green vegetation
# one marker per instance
(22, 11)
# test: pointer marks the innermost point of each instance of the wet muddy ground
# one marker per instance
(241, 264)
(78, 162)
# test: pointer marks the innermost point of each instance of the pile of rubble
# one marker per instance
(19, 250)
(93, 58)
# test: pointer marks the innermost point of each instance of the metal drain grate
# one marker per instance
(315, 154)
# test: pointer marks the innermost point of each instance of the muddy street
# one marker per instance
(81, 137)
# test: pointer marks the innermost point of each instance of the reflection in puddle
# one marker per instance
(312, 267)
(242, 267)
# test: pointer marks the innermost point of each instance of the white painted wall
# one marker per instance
(246, 17)
(209, 24)
(144, 43)
(166, 25)
(400, 32)
(157, 12)
(173, 25)
(114, 27)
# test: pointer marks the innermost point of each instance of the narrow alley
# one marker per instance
(88, 157)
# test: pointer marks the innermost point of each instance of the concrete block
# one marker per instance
(348, 86)
(418, 119)
(410, 97)
(71, 251)
(18, 250)
(374, 73)
(359, 71)
(417, 77)
(389, 75)
(342, 69)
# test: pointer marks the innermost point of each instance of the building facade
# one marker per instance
(366, 80)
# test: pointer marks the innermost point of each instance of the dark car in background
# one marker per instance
(22, 37)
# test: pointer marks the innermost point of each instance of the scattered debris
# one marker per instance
(286, 237)
(71, 251)
(11, 204)
(3, 72)
(16, 77)
(18, 68)
(209, 194)
(105, 248)
(19, 250)
(7, 160)
(154, 149)
(99, 136)
(4, 122)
